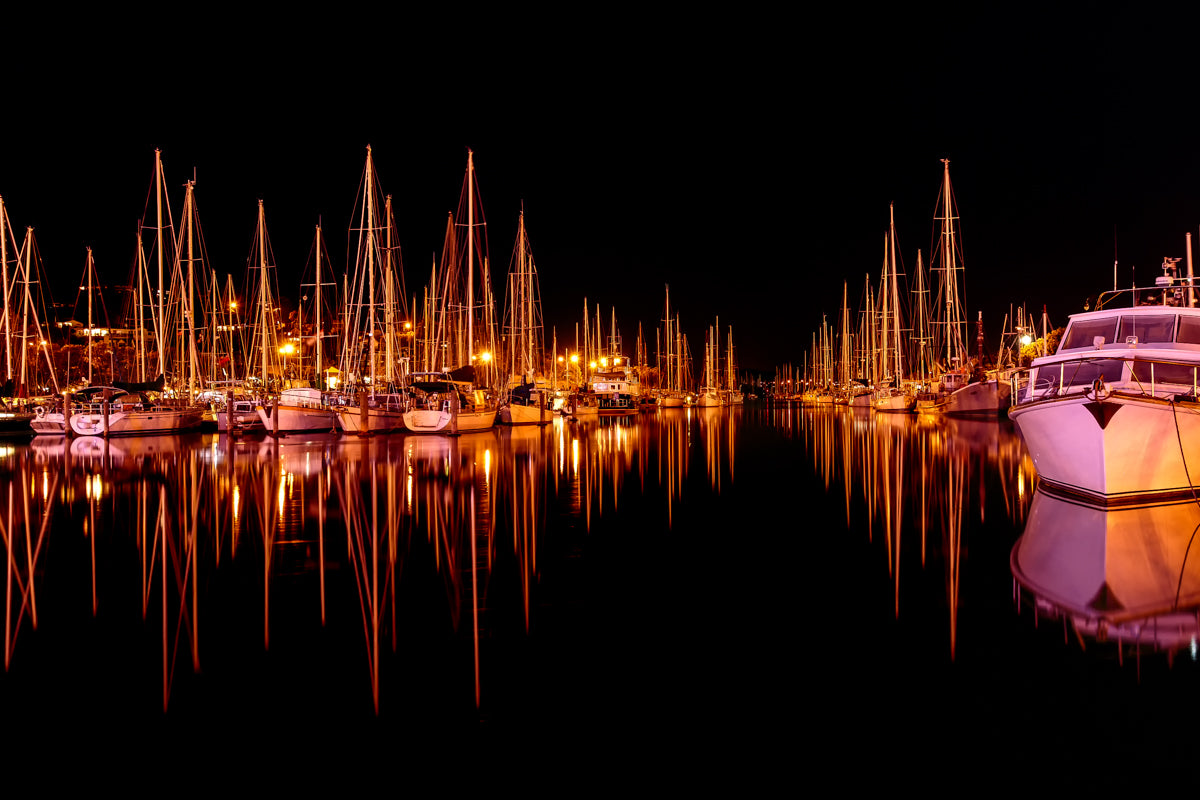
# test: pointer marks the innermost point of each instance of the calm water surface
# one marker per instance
(744, 578)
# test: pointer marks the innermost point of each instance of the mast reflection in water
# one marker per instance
(967, 605)
(571, 573)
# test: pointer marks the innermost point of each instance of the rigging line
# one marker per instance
(1192, 538)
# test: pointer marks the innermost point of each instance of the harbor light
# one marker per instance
(574, 358)
(604, 362)
(1026, 340)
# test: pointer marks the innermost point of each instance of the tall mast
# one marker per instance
(895, 295)
(90, 327)
(264, 293)
(189, 312)
(955, 323)
(320, 344)
(389, 319)
(370, 203)
(161, 300)
(4, 233)
(139, 308)
(470, 254)
(28, 248)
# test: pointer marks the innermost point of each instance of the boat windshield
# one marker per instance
(1189, 330)
(1083, 333)
(1159, 328)
(1082, 373)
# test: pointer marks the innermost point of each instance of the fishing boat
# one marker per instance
(1113, 416)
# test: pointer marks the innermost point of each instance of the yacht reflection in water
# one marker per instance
(1125, 576)
(258, 570)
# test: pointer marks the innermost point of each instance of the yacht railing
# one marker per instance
(1102, 376)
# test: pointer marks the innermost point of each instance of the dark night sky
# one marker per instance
(747, 162)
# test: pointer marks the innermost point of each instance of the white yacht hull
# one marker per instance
(292, 419)
(49, 423)
(1117, 450)
(983, 399)
(137, 423)
(894, 403)
(525, 415)
(423, 420)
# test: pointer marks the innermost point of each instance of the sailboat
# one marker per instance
(153, 408)
(964, 388)
(526, 403)
(374, 401)
(671, 395)
(51, 419)
(710, 395)
(890, 396)
(452, 401)
(294, 408)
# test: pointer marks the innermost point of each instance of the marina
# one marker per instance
(579, 575)
(306, 464)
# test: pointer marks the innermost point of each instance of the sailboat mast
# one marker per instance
(160, 302)
(90, 329)
(139, 307)
(389, 319)
(4, 233)
(470, 254)
(191, 297)
(28, 248)
(370, 209)
(265, 300)
(895, 295)
(320, 363)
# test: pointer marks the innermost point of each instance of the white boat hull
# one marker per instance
(424, 420)
(243, 420)
(525, 415)
(293, 419)
(983, 399)
(1122, 449)
(137, 423)
(50, 423)
(894, 403)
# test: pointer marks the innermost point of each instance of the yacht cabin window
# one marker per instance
(1082, 333)
(1156, 328)
(1189, 330)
